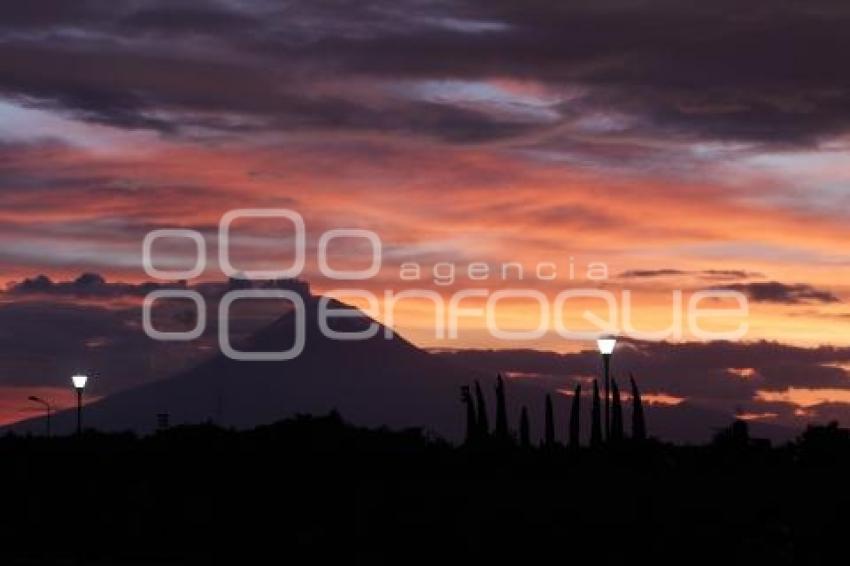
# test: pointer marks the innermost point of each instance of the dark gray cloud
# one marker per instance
(729, 274)
(87, 285)
(723, 376)
(788, 294)
(756, 72)
(51, 329)
(703, 273)
(687, 369)
(647, 273)
(175, 93)
(95, 286)
(42, 343)
(184, 17)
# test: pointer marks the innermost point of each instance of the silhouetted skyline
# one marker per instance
(684, 148)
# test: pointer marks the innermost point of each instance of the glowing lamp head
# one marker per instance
(606, 345)
(79, 381)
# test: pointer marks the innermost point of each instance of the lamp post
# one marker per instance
(48, 409)
(606, 346)
(79, 381)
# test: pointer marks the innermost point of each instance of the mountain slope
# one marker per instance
(374, 382)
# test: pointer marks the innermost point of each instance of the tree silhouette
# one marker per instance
(481, 412)
(502, 434)
(549, 439)
(575, 418)
(471, 422)
(596, 418)
(638, 422)
(800, 493)
(524, 430)
(736, 435)
(616, 413)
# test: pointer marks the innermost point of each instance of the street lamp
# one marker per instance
(47, 408)
(606, 346)
(79, 381)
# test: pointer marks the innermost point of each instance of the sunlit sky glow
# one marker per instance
(664, 143)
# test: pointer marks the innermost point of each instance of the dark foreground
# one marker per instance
(314, 491)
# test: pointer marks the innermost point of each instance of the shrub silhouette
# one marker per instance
(596, 418)
(471, 421)
(616, 414)
(481, 412)
(575, 418)
(502, 434)
(638, 422)
(549, 438)
(524, 430)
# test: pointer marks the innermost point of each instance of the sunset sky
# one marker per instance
(685, 145)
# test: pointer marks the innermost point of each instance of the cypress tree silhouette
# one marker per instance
(471, 422)
(575, 418)
(549, 439)
(638, 422)
(596, 418)
(502, 434)
(524, 430)
(617, 433)
(481, 412)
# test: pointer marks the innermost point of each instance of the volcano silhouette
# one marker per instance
(375, 382)
(379, 381)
